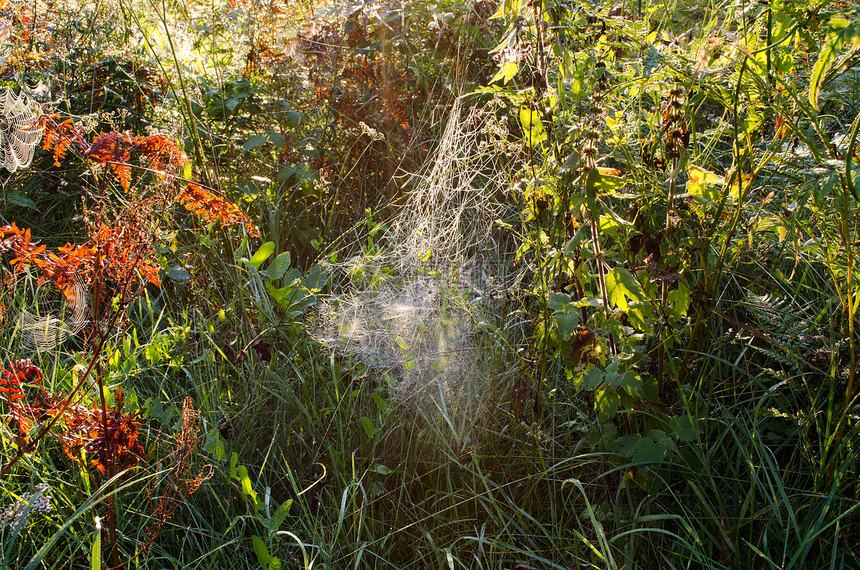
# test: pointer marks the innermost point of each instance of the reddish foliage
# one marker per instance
(84, 427)
(60, 136)
(213, 208)
(118, 444)
(18, 373)
(116, 254)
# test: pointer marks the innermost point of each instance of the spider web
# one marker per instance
(51, 318)
(414, 306)
(19, 130)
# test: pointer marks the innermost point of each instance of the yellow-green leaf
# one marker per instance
(533, 130)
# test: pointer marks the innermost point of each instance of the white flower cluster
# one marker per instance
(39, 501)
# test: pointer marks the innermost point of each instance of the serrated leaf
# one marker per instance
(567, 322)
(621, 285)
(533, 131)
(592, 379)
(680, 302)
(506, 72)
(558, 301)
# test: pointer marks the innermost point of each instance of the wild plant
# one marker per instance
(136, 181)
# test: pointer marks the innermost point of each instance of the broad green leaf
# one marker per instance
(703, 184)
(215, 445)
(262, 254)
(592, 379)
(263, 556)
(606, 402)
(20, 199)
(253, 142)
(276, 138)
(286, 172)
(533, 131)
(369, 429)
(558, 301)
(380, 402)
(621, 285)
(293, 118)
(680, 302)
(567, 322)
(177, 273)
(278, 267)
(608, 183)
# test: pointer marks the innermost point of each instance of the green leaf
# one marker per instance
(262, 254)
(293, 118)
(278, 267)
(533, 131)
(247, 487)
(836, 40)
(280, 516)
(177, 273)
(380, 402)
(703, 184)
(215, 445)
(286, 172)
(254, 141)
(606, 402)
(621, 285)
(608, 183)
(20, 199)
(276, 138)
(592, 379)
(680, 302)
(567, 322)
(263, 556)
(96, 553)
(506, 72)
(558, 301)
(369, 429)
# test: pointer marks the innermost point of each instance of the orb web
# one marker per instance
(20, 132)
(50, 317)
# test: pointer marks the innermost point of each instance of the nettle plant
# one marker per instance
(646, 178)
(608, 263)
(131, 188)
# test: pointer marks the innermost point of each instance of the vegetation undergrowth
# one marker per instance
(527, 284)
